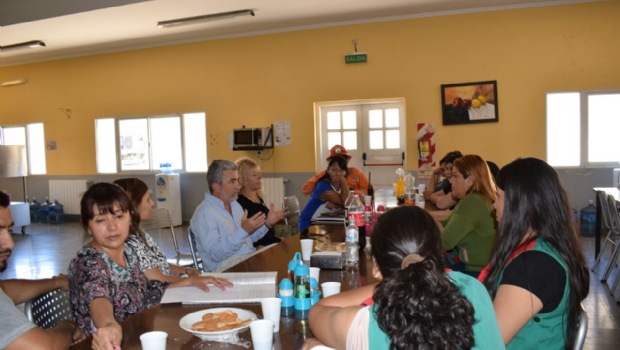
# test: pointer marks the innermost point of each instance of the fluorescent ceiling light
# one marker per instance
(13, 82)
(28, 44)
(204, 18)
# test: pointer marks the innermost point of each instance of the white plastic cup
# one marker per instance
(262, 334)
(330, 288)
(155, 340)
(271, 311)
(421, 188)
(306, 249)
(315, 272)
(367, 200)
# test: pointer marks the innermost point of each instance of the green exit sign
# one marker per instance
(355, 58)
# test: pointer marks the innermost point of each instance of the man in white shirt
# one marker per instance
(16, 332)
(224, 233)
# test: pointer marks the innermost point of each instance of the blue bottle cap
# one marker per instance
(286, 284)
(294, 262)
(313, 283)
(302, 270)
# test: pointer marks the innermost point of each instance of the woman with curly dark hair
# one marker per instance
(537, 275)
(416, 304)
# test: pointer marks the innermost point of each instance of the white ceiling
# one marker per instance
(73, 28)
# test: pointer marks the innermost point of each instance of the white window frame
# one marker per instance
(193, 144)
(35, 146)
(383, 156)
(582, 142)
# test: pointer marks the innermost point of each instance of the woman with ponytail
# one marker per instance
(416, 304)
(537, 275)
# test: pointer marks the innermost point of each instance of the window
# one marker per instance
(582, 129)
(373, 132)
(33, 137)
(142, 144)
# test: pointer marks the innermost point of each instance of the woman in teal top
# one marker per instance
(416, 304)
(537, 276)
(469, 231)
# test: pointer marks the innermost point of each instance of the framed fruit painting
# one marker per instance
(467, 103)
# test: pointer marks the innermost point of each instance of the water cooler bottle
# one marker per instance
(168, 193)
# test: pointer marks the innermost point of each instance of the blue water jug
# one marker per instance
(588, 220)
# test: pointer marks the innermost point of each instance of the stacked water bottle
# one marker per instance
(298, 291)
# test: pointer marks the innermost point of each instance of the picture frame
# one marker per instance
(468, 103)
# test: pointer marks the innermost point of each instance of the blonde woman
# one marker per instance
(250, 198)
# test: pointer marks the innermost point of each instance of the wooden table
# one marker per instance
(599, 217)
(293, 330)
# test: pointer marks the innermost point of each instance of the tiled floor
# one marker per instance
(46, 250)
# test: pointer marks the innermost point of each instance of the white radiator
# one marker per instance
(273, 191)
(68, 193)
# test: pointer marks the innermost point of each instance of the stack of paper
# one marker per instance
(249, 287)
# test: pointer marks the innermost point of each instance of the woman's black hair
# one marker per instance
(418, 306)
(106, 196)
(450, 157)
(342, 163)
(535, 201)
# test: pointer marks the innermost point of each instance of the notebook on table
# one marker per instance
(249, 287)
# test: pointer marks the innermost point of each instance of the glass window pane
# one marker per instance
(15, 136)
(375, 118)
(333, 120)
(603, 126)
(166, 142)
(333, 138)
(349, 140)
(392, 118)
(563, 129)
(349, 120)
(392, 139)
(134, 144)
(195, 129)
(376, 139)
(105, 140)
(36, 149)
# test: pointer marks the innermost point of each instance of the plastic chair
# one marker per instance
(160, 219)
(607, 226)
(582, 329)
(292, 204)
(192, 247)
(615, 239)
(48, 309)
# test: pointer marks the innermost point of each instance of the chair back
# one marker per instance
(160, 218)
(48, 309)
(614, 215)
(192, 248)
(605, 212)
(582, 329)
(291, 203)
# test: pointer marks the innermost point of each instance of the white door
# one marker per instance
(373, 132)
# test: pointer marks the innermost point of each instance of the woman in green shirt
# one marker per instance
(469, 232)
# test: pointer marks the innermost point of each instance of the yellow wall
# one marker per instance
(255, 81)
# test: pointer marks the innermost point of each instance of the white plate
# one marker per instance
(188, 320)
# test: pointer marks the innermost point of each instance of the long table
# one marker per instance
(293, 331)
